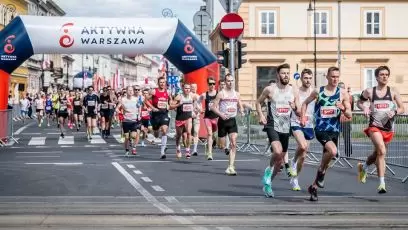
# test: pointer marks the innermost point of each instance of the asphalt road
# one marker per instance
(75, 184)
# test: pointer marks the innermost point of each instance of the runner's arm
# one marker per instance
(298, 106)
(398, 100)
(215, 106)
(309, 99)
(265, 94)
(346, 103)
(175, 103)
(364, 97)
(240, 105)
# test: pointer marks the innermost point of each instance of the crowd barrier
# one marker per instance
(354, 145)
(7, 127)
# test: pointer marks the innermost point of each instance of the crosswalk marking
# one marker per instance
(96, 139)
(37, 141)
(117, 137)
(67, 140)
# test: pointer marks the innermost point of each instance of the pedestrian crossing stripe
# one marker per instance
(69, 140)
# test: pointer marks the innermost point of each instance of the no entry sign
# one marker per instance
(232, 25)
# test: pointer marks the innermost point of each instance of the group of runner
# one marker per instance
(303, 112)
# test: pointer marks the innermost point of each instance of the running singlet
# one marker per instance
(130, 109)
(229, 104)
(55, 101)
(295, 120)
(185, 110)
(90, 102)
(77, 103)
(208, 104)
(63, 108)
(379, 109)
(71, 100)
(279, 109)
(104, 99)
(145, 113)
(48, 105)
(327, 115)
(39, 103)
(160, 100)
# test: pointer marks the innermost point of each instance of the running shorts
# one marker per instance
(323, 137)
(131, 126)
(78, 111)
(213, 123)
(159, 119)
(38, 110)
(226, 127)
(106, 113)
(145, 123)
(307, 132)
(387, 135)
(92, 115)
(48, 112)
(63, 115)
(274, 135)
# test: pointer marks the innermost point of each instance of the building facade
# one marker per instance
(371, 34)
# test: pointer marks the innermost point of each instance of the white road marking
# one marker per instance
(42, 147)
(171, 199)
(35, 156)
(148, 162)
(248, 160)
(101, 151)
(130, 166)
(91, 146)
(67, 140)
(12, 142)
(53, 133)
(117, 137)
(224, 228)
(37, 141)
(137, 172)
(73, 163)
(146, 179)
(66, 146)
(31, 134)
(157, 188)
(96, 139)
(149, 197)
(42, 152)
(22, 128)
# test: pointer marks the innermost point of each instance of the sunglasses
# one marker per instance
(137, 89)
(211, 83)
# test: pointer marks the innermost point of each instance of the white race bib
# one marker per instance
(48, 108)
(231, 110)
(145, 113)
(63, 107)
(104, 106)
(162, 104)
(187, 107)
(382, 106)
(91, 103)
(328, 111)
(77, 103)
(283, 110)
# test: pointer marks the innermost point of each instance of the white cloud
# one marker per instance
(184, 9)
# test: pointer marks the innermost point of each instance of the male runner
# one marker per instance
(226, 105)
(131, 107)
(184, 104)
(105, 112)
(302, 134)
(48, 109)
(223, 143)
(112, 106)
(381, 112)
(39, 106)
(160, 114)
(145, 116)
(210, 118)
(62, 111)
(90, 104)
(71, 96)
(55, 103)
(331, 101)
(282, 100)
(78, 113)
(195, 129)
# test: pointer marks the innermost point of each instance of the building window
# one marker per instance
(321, 26)
(372, 23)
(267, 22)
(264, 74)
(369, 78)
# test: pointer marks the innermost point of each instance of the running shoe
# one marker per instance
(230, 171)
(313, 193)
(134, 151)
(62, 135)
(188, 154)
(227, 151)
(48, 125)
(267, 189)
(362, 173)
(39, 125)
(293, 169)
(195, 154)
(267, 177)
(178, 154)
(320, 179)
(163, 156)
(143, 144)
(127, 152)
(209, 157)
(295, 184)
(381, 189)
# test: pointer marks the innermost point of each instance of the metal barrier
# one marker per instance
(353, 143)
(6, 120)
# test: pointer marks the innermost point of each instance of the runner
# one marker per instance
(78, 110)
(282, 100)
(39, 106)
(331, 101)
(302, 134)
(62, 111)
(105, 112)
(131, 107)
(90, 104)
(71, 108)
(226, 105)
(195, 129)
(160, 115)
(223, 143)
(184, 104)
(210, 118)
(381, 112)
(145, 116)
(55, 103)
(48, 109)
(112, 108)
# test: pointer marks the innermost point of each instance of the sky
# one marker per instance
(184, 9)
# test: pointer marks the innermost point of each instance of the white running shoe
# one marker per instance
(295, 184)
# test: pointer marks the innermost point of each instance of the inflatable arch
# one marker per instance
(29, 35)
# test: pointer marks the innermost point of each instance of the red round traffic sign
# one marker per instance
(232, 25)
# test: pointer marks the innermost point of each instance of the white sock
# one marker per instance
(178, 147)
(365, 166)
(382, 180)
(164, 143)
(195, 147)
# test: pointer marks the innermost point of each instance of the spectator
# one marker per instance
(10, 102)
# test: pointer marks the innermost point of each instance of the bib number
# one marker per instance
(145, 113)
(48, 108)
(382, 106)
(77, 103)
(231, 110)
(162, 105)
(283, 110)
(91, 103)
(63, 107)
(328, 111)
(187, 108)
(104, 106)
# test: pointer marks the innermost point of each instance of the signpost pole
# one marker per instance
(231, 44)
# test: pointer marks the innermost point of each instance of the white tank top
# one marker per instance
(229, 104)
(279, 108)
(295, 120)
(39, 103)
(130, 109)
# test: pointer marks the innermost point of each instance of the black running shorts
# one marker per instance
(323, 137)
(131, 126)
(159, 119)
(226, 127)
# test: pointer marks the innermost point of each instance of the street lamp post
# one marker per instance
(8, 8)
(310, 10)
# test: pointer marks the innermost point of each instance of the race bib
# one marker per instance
(283, 110)
(48, 108)
(162, 105)
(382, 106)
(77, 103)
(63, 107)
(104, 106)
(145, 113)
(91, 103)
(231, 109)
(328, 111)
(210, 104)
(187, 107)
(131, 116)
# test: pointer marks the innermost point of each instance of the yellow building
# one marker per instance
(8, 10)
(372, 33)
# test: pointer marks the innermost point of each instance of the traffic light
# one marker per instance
(240, 54)
(223, 57)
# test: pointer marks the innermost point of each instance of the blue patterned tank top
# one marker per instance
(327, 114)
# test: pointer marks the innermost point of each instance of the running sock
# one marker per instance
(195, 147)
(382, 180)
(178, 147)
(164, 143)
